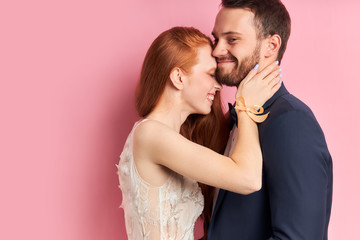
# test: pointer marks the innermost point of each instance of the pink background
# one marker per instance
(68, 71)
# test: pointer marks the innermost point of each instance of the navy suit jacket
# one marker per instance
(296, 195)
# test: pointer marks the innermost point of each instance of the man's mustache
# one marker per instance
(227, 58)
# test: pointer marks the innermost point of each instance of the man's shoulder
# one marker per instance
(288, 109)
(287, 104)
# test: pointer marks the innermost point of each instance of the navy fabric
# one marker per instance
(233, 115)
(296, 195)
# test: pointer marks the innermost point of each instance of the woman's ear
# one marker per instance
(175, 78)
(273, 45)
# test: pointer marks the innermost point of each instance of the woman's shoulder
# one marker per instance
(149, 126)
(148, 130)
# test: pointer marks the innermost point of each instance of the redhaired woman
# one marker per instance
(159, 168)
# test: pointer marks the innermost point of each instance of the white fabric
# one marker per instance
(228, 151)
(166, 212)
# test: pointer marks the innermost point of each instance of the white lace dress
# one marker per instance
(166, 212)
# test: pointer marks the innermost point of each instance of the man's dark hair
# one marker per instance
(271, 17)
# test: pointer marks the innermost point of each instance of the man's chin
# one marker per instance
(226, 68)
(227, 80)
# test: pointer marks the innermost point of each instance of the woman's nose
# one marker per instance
(217, 86)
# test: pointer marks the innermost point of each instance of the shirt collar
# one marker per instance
(282, 91)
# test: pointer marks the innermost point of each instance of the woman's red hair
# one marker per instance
(178, 48)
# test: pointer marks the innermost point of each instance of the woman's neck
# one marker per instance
(169, 113)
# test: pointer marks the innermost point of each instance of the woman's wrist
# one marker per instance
(254, 112)
(243, 115)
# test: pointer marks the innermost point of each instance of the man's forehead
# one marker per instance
(233, 20)
(235, 12)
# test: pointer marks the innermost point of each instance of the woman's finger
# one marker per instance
(269, 69)
(272, 75)
(251, 74)
(275, 81)
(276, 86)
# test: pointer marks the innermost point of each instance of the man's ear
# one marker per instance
(175, 77)
(273, 44)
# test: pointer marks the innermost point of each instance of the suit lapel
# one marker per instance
(219, 200)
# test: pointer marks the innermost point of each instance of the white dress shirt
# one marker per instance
(228, 151)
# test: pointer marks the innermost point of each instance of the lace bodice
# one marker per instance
(166, 212)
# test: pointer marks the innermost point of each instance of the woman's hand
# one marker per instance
(258, 87)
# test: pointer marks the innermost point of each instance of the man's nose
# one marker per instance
(219, 50)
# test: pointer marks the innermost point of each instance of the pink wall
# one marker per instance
(68, 72)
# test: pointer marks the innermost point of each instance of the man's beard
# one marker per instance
(240, 70)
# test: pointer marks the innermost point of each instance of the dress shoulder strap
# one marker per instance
(139, 122)
(133, 130)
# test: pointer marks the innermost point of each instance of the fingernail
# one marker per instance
(280, 75)
(280, 69)
(280, 81)
(256, 66)
(277, 62)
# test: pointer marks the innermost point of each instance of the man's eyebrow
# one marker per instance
(227, 33)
